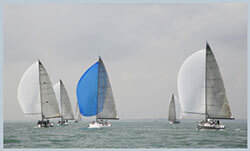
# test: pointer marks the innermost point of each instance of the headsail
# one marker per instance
(63, 101)
(28, 93)
(171, 111)
(217, 102)
(94, 93)
(58, 96)
(191, 83)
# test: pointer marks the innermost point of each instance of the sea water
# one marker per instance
(126, 134)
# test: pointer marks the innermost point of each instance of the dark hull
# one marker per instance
(45, 124)
(63, 122)
(174, 122)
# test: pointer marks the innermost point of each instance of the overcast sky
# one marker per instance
(142, 46)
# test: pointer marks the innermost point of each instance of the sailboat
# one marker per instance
(36, 95)
(95, 97)
(64, 103)
(202, 91)
(78, 114)
(155, 119)
(172, 112)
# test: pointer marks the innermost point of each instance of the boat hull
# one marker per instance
(63, 124)
(98, 125)
(210, 126)
(45, 124)
(174, 122)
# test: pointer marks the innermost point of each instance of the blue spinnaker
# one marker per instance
(87, 91)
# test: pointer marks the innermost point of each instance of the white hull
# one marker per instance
(208, 125)
(98, 125)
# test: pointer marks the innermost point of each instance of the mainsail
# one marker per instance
(201, 87)
(63, 101)
(94, 93)
(217, 105)
(36, 95)
(106, 104)
(171, 111)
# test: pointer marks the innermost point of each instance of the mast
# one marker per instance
(206, 81)
(98, 87)
(60, 83)
(62, 109)
(39, 63)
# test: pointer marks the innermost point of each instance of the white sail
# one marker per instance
(58, 95)
(63, 101)
(201, 87)
(191, 83)
(171, 110)
(28, 93)
(216, 99)
(106, 103)
(48, 99)
(36, 95)
(77, 114)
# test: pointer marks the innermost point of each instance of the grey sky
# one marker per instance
(142, 46)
